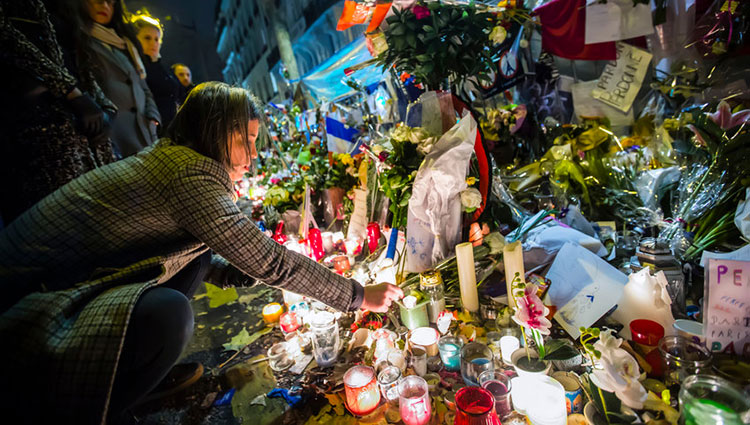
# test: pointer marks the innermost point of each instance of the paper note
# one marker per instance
(584, 287)
(585, 105)
(726, 317)
(617, 20)
(622, 79)
(358, 220)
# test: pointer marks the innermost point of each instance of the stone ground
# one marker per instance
(215, 325)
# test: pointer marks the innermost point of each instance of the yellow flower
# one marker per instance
(346, 159)
(471, 180)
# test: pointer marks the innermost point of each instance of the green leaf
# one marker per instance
(244, 339)
(560, 349)
(397, 30)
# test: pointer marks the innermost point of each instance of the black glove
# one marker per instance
(89, 115)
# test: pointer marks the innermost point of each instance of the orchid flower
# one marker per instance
(724, 118)
(619, 371)
(531, 312)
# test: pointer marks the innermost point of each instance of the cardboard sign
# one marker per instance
(585, 105)
(584, 287)
(726, 317)
(620, 81)
(617, 20)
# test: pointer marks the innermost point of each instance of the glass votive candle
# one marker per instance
(712, 400)
(646, 334)
(272, 312)
(396, 357)
(414, 401)
(341, 264)
(385, 340)
(450, 352)
(426, 338)
(681, 358)
(498, 384)
(475, 359)
(388, 380)
(475, 406)
(508, 345)
(289, 322)
(278, 358)
(418, 360)
(324, 332)
(301, 309)
(493, 341)
(361, 390)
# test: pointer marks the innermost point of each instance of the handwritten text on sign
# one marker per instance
(621, 79)
(727, 317)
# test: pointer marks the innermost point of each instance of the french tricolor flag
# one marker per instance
(341, 137)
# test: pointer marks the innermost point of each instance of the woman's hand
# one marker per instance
(378, 298)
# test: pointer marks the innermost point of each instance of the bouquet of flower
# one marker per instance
(343, 172)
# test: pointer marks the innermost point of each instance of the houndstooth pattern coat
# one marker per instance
(73, 266)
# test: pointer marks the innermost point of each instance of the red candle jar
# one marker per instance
(373, 236)
(646, 334)
(289, 322)
(279, 235)
(315, 240)
(361, 389)
(475, 406)
(341, 264)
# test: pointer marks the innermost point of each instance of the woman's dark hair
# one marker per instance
(212, 112)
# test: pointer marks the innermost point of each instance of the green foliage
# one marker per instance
(450, 44)
(396, 182)
(560, 349)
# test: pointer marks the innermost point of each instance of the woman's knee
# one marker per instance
(166, 314)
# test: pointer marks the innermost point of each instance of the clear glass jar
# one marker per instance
(708, 399)
(681, 358)
(431, 283)
(388, 380)
(414, 401)
(325, 338)
(475, 359)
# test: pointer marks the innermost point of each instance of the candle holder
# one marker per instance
(373, 236)
(325, 338)
(646, 334)
(475, 359)
(450, 352)
(414, 401)
(431, 283)
(278, 358)
(508, 345)
(413, 315)
(711, 400)
(385, 340)
(682, 358)
(272, 312)
(418, 360)
(493, 342)
(341, 264)
(396, 357)
(289, 322)
(315, 241)
(498, 384)
(475, 406)
(361, 390)
(426, 338)
(388, 380)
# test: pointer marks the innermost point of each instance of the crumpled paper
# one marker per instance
(434, 220)
(742, 215)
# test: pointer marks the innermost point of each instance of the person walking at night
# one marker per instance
(97, 276)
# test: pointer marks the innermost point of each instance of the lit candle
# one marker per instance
(272, 312)
(508, 344)
(341, 264)
(513, 261)
(467, 276)
(426, 338)
(315, 240)
(414, 401)
(373, 236)
(289, 322)
(361, 390)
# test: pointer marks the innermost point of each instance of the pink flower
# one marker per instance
(421, 12)
(274, 181)
(725, 119)
(531, 311)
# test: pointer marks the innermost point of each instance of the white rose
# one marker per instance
(471, 199)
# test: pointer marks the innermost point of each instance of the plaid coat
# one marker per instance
(73, 266)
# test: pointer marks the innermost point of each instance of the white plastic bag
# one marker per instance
(434, 219)
(742, 215)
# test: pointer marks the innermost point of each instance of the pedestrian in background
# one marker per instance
(163, 85)
(185, 76)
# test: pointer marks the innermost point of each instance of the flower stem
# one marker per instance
(604, 403)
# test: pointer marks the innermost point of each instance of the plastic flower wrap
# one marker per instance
(619, 372)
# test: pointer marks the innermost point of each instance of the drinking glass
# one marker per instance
(475, 406)
(498, 384)
(388, 380)
(414, 401)
(708, 399)
(450, 352)
(475, 359)
(325, 338)
(681, 358)
(278, 359)
(418, 360)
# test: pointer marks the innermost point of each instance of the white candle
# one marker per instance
(327, 241)
(513, 261)
(467, 276)
(508, 344)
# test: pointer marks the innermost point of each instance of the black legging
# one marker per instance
(160, 327)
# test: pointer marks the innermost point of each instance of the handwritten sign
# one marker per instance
(726, 319)
(621, 79)
(358, 220)
(617, 20)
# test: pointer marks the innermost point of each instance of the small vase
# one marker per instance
(526, 367)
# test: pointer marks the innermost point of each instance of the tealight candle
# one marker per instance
(450, 352)
(426, 338)
(272, 312)
(508, 344)
(341, 264)
(289, 322)
(361, 389)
